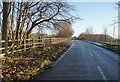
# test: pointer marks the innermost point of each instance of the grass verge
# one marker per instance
(115, 48)
(26, 65)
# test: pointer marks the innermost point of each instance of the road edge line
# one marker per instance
(63, 54)
(103, 76)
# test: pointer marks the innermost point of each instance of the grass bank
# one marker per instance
(24, 66)
(112, 47)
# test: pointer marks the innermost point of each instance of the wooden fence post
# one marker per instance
(13, 48)
(25, 45)
(40, 41)
(33, 43)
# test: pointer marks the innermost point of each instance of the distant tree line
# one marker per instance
(89, 34)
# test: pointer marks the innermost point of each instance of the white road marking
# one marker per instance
(63, 55)
(90, 52)
(102, 73)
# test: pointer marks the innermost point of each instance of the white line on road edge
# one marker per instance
(102, 73)
(90, 52)
(63, 55)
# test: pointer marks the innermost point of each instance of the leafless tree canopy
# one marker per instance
(22, 17)
(64, 29)
(105, 32)
(19, 19)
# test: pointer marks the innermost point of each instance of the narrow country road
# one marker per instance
(84, 61)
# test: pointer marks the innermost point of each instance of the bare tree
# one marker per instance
(21, 18)
(113, 33)
(119, 20)
(118, 26)
(105, 32)
(5, 24)
(65, 29)
(89, 32)
(45, 14)
(57, 11)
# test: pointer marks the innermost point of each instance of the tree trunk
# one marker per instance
(5, 25)
(19, 22)
(12, 21)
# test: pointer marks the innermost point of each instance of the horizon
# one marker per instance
(101, 14)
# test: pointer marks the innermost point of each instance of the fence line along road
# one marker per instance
(23, 45)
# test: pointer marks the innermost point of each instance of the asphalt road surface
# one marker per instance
(83, 61)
